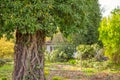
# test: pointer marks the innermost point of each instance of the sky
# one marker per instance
(108, 6)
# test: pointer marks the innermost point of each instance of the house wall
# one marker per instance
(49, 48)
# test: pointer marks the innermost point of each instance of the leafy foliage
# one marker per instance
(87, 51)
(46, 15)
(110, 35)
(6, 49)
(61, 54)
(92, 63)
(72, 61)
(65, 52)
(26, 16)
(88, 30)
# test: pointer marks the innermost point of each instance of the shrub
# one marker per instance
(47, 56)
(4, 78)
(65, 52)
(6, 48)
(62, 53)
(58, 56)
(72, 61)
(92, 63)
(54, 56)
(2, 62)
(87, 51)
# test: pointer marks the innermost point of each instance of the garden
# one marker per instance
(58, 40)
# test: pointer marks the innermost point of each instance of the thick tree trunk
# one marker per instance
(29, 57)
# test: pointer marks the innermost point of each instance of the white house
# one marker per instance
(49, 46)
(57, 40)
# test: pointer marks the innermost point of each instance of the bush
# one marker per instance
(2, 62)
(65, 52)
(114, 57)
(87, 51)
(62, 53)
(72, 61)
(92, 63)
(4, 78)
(56, 56)
(52, 57)
(6, 48)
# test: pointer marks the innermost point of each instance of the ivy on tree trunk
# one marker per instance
(29, 57)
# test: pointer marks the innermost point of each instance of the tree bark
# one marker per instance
(29, 56)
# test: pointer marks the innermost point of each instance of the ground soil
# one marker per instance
(79, 75)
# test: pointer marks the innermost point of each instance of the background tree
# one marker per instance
(88, 30)
(32, 21)
(110, 35)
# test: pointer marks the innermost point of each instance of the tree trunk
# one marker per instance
(29, 56)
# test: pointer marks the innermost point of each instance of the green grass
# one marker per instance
(6, 72)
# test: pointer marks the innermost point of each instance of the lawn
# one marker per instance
(6, 71)
(66, 71)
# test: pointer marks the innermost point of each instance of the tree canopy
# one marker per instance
(28, 16)
(88, 30)
(110, 35)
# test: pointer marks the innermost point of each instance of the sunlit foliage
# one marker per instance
(110, 35)
(6, 48)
